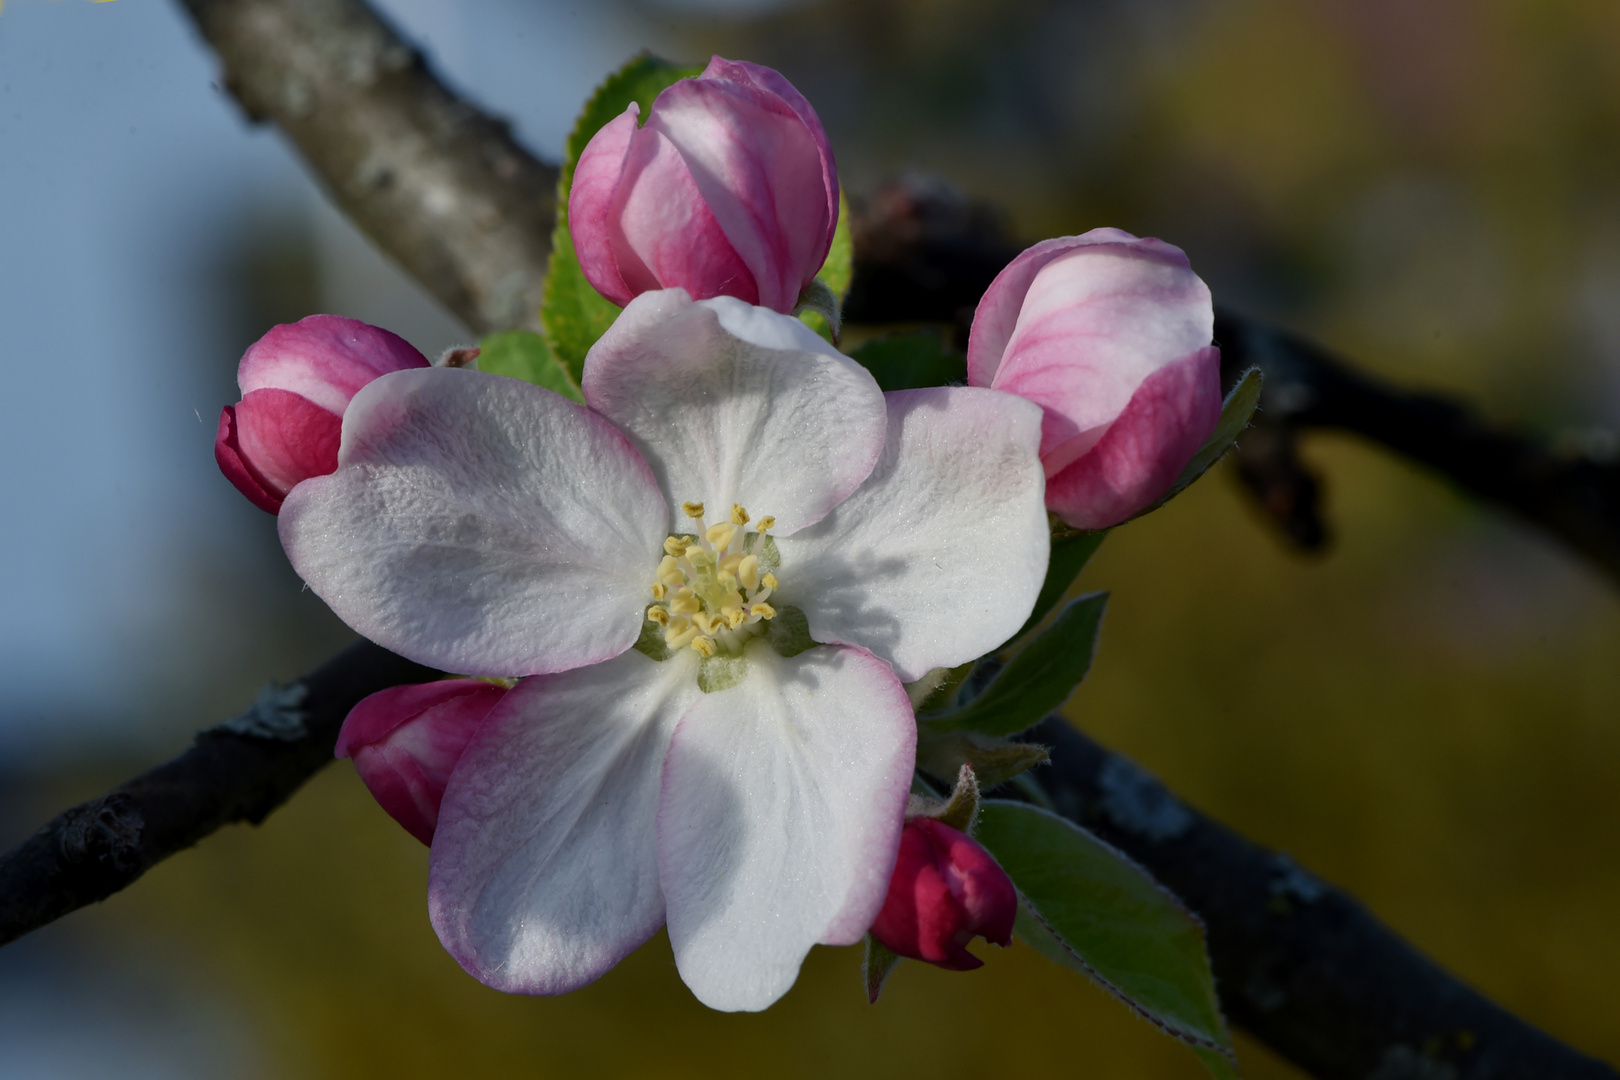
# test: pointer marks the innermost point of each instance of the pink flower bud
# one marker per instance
(296, 381)
(728, 189)
(946, 890)
(1111, 335)
(406, 740)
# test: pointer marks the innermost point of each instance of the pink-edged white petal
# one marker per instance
(780, 816)
(732, 403)
(325, 358)
(544, 869)
(939, 556)
(596, 179)
(481, 525)
(1145, 449)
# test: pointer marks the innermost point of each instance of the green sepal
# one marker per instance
(820, 301)
(770, 556)
(1037, 681)
(652, 643)
(524, 354)
(960, 811)
(1090, 908)
(1071, 551)
(994, 760)
(937, 688)
(831, 283)
(876, 968)
(574, 314)
(912, 360)
(788, 632)
(1236, 412)
(717, 673)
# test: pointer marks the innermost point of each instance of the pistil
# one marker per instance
(710, 587)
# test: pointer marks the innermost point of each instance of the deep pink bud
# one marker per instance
(1111, 335)
(405, 741)
(946, 890)
(728, 189)
(296, 381)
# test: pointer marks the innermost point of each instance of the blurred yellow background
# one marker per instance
(1428, 716)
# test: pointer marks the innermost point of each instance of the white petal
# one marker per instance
(480, 524)
(780, 818)
(731, 403)
(544, 871)
(939, 556)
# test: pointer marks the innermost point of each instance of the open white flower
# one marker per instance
(736, 490)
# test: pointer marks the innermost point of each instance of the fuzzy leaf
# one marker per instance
(910, 361)
(1090, 908)
(1037, 681)
(834, 277)
(575, 314)
(1236, 412)
(524, 354)
(1070, 553)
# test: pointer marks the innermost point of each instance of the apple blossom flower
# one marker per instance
(945, 891)
(728, 189)
(663, 565)
(406, 740)
(1111, 335)
(296, 381)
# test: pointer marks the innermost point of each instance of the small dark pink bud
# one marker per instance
(406, 740)
(296, 382)
(946, 890)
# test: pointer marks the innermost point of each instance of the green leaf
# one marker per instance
(1088, 907)
(909, 361)
(877, 967)
(574, 314)
(1236, 412)
(1069, 556)
(523, 354)
(1037, 681)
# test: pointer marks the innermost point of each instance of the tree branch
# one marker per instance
(466, 211)
(239, 771)
(435, 182)
(1300, 965)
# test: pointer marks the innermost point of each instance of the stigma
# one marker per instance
(712, 587)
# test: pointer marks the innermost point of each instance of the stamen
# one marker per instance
(721, 535)
(747, 572)
(658, 614)
(682, 639)
(674, 546)
(692, 510)
(660, 590)
(762, 609)
(739, 516)
(704, 646)
(769, 580)
(766, 524)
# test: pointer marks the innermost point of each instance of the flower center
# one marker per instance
(711, 586)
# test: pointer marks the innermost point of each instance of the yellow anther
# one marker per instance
(704, 646)
(769, 580)
(735, 617)
(700, 558)
(658, 614)
(667, 564)
(704, 622)
(721, 535)
(685, 607)
(692, 510)
(681, 638)
(766, 524)
(739, 516)
(747, 572)
(660, 590)
(675, 545)
(763, 610)
(731, 563)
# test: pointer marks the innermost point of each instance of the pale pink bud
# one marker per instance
(296, 381)
(945, 891)
(1111, 335)
(728, 189)
(406, 740)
